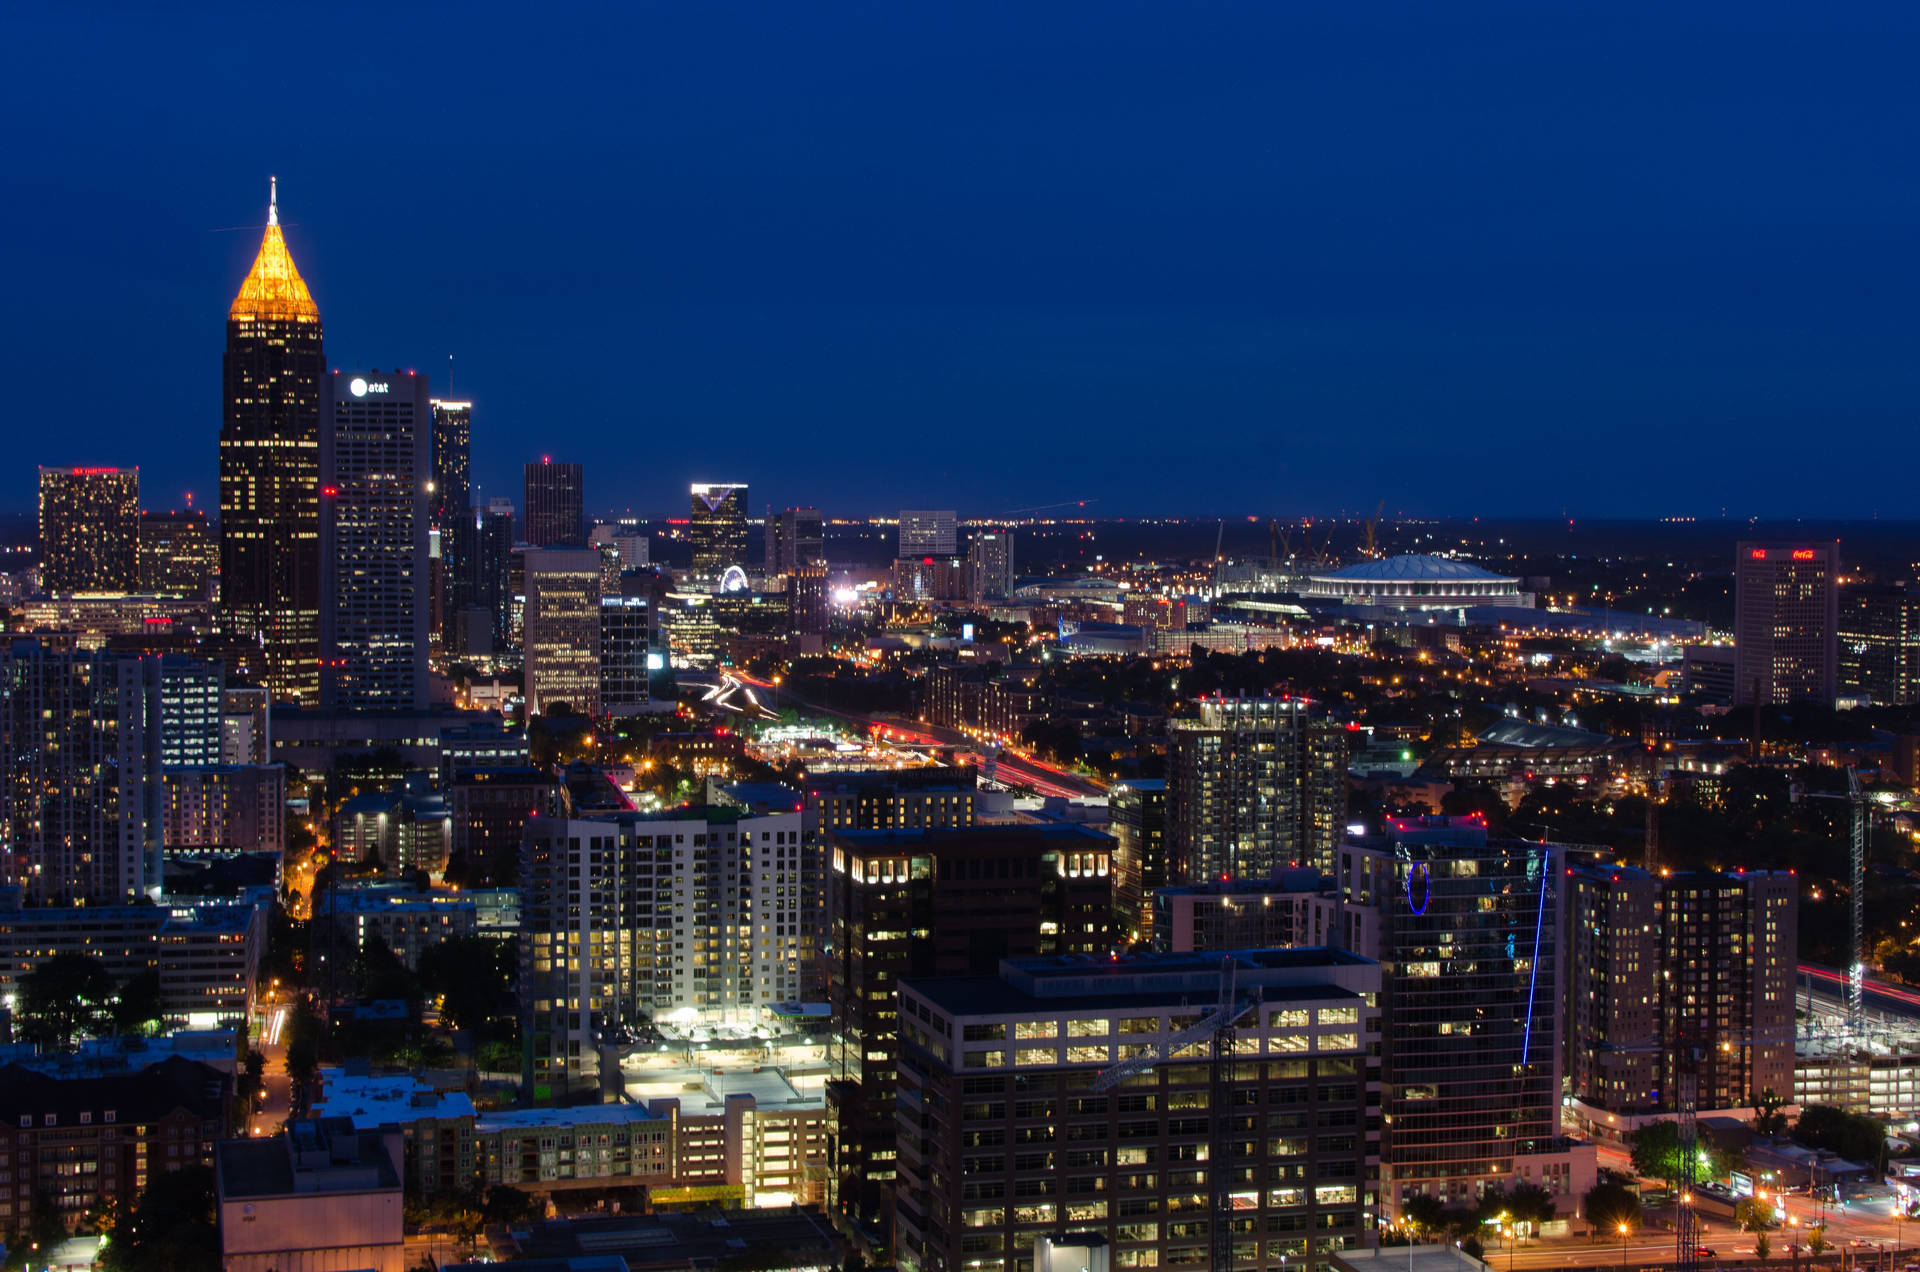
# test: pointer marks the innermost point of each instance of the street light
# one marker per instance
(1623, 1248)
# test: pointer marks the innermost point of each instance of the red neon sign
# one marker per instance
(1803, 554)
(94, 472)
(1758, 554)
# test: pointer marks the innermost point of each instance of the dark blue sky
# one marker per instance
(1265, 257)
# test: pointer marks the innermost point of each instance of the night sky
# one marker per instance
(1260, 257)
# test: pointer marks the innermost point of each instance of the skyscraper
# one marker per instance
(555, 505)
(925, 532)
(1880, 643)
(270, 469)
(627, 652)
(374, 473)
(1786, 623)
(450, 506)
(797, 552)
(489, 566)
(80, 781)
(719, 528)
(1139, 826)
(563, 629)
(1253, 785)
(1468, 938)
(89, 530)
(990, 565)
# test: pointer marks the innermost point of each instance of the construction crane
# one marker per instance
(1373, 524)
(1216, 1027)
(1278, 540)
(1065, 503)
(1857, 837)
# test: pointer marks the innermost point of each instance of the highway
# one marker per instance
(1828, 982)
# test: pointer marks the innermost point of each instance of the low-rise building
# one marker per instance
(318, 1196)
(407, 921)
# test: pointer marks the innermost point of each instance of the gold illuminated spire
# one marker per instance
(274, 289)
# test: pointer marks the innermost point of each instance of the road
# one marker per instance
(1830, 983)
(270, 1114)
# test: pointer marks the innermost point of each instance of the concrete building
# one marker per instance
(246, 734)
(316, 1197)
(1138, 809)
(490, 808)
(928, 902)
(1254, 785)
(1786, 623)
(990, 565)
(80, 801)
(628, 654)
(563, 630)
(692, 914)
(227, 806)
(207, 954)
(192, 709)
(178, 556)
(79, 1143)
(1300, 907)
(406, 921)
(1880, 644)
(376, 432)
(887, 799)
(926, 532)
(1005, 1139)
(89, 530)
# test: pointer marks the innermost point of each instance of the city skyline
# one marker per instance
(1573, 239)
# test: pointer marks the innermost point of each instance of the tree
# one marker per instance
(1656, 1151)
(472, 976)
(1612, 1202)
(136, 1010)
(1768, 1119)
(1851, 1135)
(65, 998)
(506, 1204)
(1427, 1215)
(303, 1043)
(1817, 1239)
(174, 1226)
(1762, 1247)
(1752, 1216)
(1530, 1203)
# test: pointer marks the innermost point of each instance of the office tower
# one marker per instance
(627, 654)
(1253, 785)
(693, 912)
(270, 470)
(1468, 937)
(1880, 644)
(89, 530)
(191, 701)
(629, 545)
(1138, 812)
(489, 565)
(177, 554)
(245, 725)
(718, 528)
(450, 511)
(1786, 623)
(374, 434)
(928, 902)
(563, 629)
(555, 504)
(927, 533)
(797, 552)
(80, 804)
(1005, 1145)
(930, 578)
(883, 799)
(990, 565)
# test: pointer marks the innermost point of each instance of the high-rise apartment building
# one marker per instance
(1880, 643)
(270, 470)
(89, 530)
(1786, 623)
(1005, 1142)
(246, 725)
(555, 505)
(177, 554)
(80, 800)
(192, 696)
(1254, 785)
(1137, 809)
(1698, 964)
(563, 629)
(1467, 932)
(990, 565)
(925, 532)
(1301, 907)
(375, 430)
(694, 911)
(718, 528)
(929, 902)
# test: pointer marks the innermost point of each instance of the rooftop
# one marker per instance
(1414, 568)
(1049, 986)
(371, 1103)
(273, 288)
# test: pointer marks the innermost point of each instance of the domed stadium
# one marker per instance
(1415, 581)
